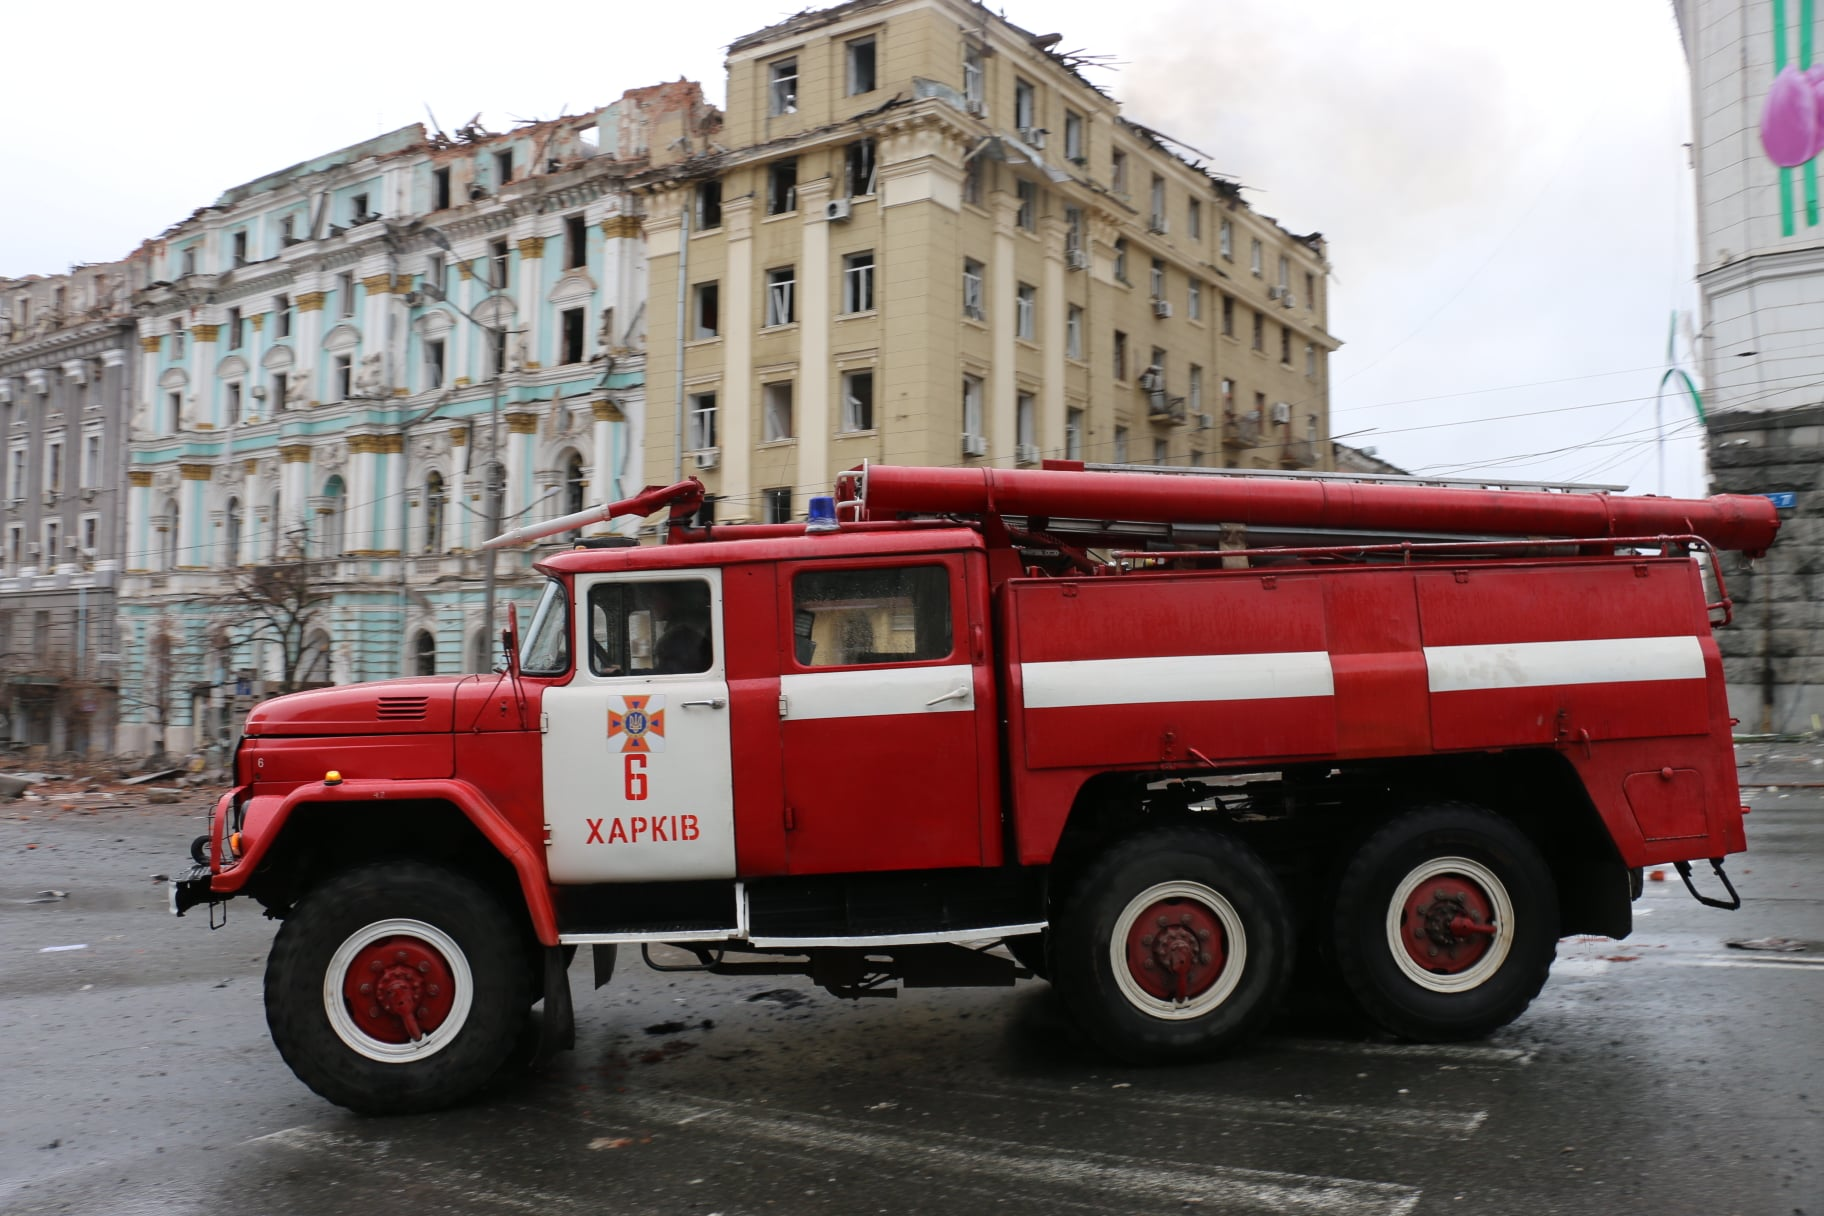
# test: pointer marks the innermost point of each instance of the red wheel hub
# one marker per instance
(398, 989)
(1175, 949)
(1448, 924)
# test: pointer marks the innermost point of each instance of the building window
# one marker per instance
(1025, 428)
(1196, 390)
(90, 534)
(1073, 332)
(972, 290)
(1120, 445)
(424, 653)
(53, 543)
(1121, 259)
(858, 282)
(861, 66)
(779, 289)
(1228, 316)
(231, 399)
(53, 467)
(342, 377)
(1117, 172)
(280, 391)
(858, 400)
(573, 335)
(177, 340)
(576, 242)
(782, 186)
(974, 79)
(231, 533)
(1025, 306)
(1193, 219)
(440, 189)
(1073, 137)
(1193, 300)
(776, 411)
(1285, 346)
(858, 168)
(1254, 257)
(1285, 272)
(90, 472)
(972, 416)
(188, 262)
(1260, 332)
(1073, 434)
(778, 505)
(1025, 105)
(497, 351)
(174, 405)
(972, 182)
(1162, 452)
(281, 317)
(288, 228)
(782, 87)
(1157, 220)
(240, 248)
(706, 310)
(1310, 290)
(1120, 355)
(234, 329)
(1157, 279)
(702, 420)
(1028, 215)
(1225, 239)
(1310, 361)
(709, 205)
(1073, 230)
(357, 209)
(503, 167)
(501, 265)
(433, 363)
(345, 293)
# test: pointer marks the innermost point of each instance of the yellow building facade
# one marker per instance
(923, 238)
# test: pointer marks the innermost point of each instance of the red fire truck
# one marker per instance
(1159, 734)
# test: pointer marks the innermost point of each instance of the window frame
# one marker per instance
(958, 606)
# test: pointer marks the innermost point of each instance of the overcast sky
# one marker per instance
(1505, 188)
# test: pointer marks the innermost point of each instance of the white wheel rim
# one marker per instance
(1235, 949)
(362, 1043)
(1500, 906)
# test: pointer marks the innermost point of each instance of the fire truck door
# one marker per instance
(637, 777)
(878, 729)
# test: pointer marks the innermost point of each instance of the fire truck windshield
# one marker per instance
(546, 648)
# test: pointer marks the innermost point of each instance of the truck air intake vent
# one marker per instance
(402, 709)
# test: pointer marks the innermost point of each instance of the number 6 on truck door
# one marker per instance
(637, 777)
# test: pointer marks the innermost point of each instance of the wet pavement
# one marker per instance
(1668, 1073)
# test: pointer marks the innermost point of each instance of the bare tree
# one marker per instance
(153, 692)
(281, 604)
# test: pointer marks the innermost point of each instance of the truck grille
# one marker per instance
(402, 709)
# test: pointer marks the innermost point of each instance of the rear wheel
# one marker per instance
(396, 988)
(1176, 944)
(1446, 923)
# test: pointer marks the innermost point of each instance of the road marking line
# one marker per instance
(1429, 1123)
(1015, 1161)
(1474, 1055)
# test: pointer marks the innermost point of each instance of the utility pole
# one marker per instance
(494, 488)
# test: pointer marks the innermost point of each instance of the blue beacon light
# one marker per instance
(823, 514)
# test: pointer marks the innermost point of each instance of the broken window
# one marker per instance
(1025, 309)
(503, 167)
(1120, 355)
(501, 265)
(1025, 106)
(1225, 239)
(189, 261)
(1228, 316)
(1157, 221)
(240, 248)
(708, 205)
(433, 363)
(1073, 137)
(1028, 215)
(780, 285)
(1121, 258)
(1254, 257)
(1285, 345)
(357, 208)
(858, 168)
(287, 229)
(776, 411)
(861, 66)
(858, 282)
(231, 399)
(573, 335)
(234, 329)
(1194, 219)
(1310, 290)
(1117, 172)
(342, 377)
(440, 189)
(1073, 229)
(1196, 390)
(972, 182)
(782, 186)
(782, 88)
(972, 290)
(974, 80)
(280, 391)
(345, 293)
(576, 242)
(706, 311)
(858, 400)
(281, 316)
(1260, 332)
(702, 422)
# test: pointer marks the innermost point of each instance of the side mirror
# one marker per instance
(509, 640)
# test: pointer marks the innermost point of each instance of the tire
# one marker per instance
(1032, 952)
(464, 972)
(1473, 910)
(1225, 943)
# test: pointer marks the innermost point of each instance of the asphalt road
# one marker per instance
(1667, 1074)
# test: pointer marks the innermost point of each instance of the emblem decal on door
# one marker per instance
(640, 723)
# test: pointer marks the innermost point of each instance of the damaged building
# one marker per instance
(345, 368)
(66, 381)
(924, 237)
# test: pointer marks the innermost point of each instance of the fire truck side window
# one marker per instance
(847, 618)
(656, 628)
(545, 650)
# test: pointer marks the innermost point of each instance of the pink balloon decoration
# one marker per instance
(1792, 123)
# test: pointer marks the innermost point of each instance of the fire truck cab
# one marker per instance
(1161, 736)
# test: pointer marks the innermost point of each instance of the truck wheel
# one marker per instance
(396, 988)
(1446, 923)
(1175, 944)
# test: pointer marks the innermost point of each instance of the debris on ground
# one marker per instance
(1781, 944)
(42, 897)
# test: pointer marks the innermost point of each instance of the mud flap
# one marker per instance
(603, 959)
(557, 1028)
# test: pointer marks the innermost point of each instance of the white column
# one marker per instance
(294, 481)
(1002, 290)
(456, 516)
(814, 368)
(735, 400)
(601, 473)
(307, 388)
(145, 407)
(139, 554)
(202, 379)
(521, 431)
(529, 288)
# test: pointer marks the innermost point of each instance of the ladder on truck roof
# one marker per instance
(1398, 479)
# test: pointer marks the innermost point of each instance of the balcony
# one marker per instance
(1241, 431)
(1298, 454)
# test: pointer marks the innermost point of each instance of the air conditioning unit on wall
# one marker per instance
(975, 445)
(836, 210)
(1077, 259)
(709, 458)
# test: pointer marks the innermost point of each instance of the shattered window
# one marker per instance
(782, 96)
(861, 66)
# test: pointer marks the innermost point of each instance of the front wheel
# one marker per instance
(1446, 923)
(396, 988)
(1175, 945)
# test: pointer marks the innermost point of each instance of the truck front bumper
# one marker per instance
(192, 889)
